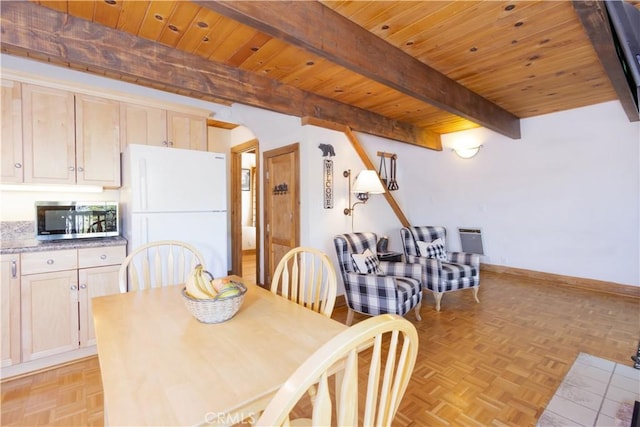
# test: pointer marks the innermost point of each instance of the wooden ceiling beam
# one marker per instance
(316, 28)
(595, 20)
(46, 35)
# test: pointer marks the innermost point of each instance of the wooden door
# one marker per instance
(11, 157)
(97, 141)
(49, 314)
(94, 282)
(49, 135)
(10, 314)
(187, 131)
(142, 125)
(282, 205)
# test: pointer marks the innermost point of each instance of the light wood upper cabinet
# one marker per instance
(97, 141)
(11, 164)
(187, 131)
(48, 135)
(70, 138)
(10, 309)
(142, 125)
(164, 128)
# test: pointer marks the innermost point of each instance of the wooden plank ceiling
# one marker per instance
(406, 70)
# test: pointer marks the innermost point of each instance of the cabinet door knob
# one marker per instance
(103, 257)
(73, 287)
(83, 286)
(18, 165)
(165, 143)
(71, 168)
(14, 269)
(50, 262)
(80, 169)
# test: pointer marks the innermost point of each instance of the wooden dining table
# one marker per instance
(161, 366)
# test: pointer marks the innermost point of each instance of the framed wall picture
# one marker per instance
(245, 180)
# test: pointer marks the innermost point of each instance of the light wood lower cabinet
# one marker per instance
(94, 282)
(57, 287)
(49, 314)
(10, 314)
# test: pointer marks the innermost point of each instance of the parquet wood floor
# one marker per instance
(249, 267)
(496, 363)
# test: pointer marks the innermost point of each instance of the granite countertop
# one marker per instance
(32, 245)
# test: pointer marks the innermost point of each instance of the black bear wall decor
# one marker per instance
(327, 150)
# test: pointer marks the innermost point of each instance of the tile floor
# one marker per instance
(595, 392)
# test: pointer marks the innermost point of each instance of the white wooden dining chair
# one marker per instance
(157, 264)
(307, 277)
(364, 398)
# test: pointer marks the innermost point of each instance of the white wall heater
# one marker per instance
(471, 240)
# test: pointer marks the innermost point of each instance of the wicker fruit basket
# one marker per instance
(216, 310)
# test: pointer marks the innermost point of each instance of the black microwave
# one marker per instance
(76, 220)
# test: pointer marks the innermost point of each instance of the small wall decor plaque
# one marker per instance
(328, 184)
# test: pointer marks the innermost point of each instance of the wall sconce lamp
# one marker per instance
(366, 182)
(467, 152)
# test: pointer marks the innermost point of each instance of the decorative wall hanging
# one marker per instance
(393, 184)
(327, 150)
(382, 170)
(328, 184)
(390, 182)
(281, 189)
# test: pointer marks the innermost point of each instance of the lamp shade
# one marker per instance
(367, 181)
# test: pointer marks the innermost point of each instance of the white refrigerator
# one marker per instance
(176, 194)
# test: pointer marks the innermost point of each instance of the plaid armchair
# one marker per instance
(396, 291)
(459, 271)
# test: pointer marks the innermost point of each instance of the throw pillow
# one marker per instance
(366, 263)
(434, 249)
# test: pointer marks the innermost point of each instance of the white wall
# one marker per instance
(563, 199)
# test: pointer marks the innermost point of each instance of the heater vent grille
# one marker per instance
(471, 240)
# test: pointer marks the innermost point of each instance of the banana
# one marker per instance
(228, 290)
(210, 289)
(200, 282)
(194, 288)
(206, 284)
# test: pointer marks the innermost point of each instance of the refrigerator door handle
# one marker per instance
(143, 184)
(145, 232)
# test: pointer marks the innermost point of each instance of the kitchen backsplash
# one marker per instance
(17, 230)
